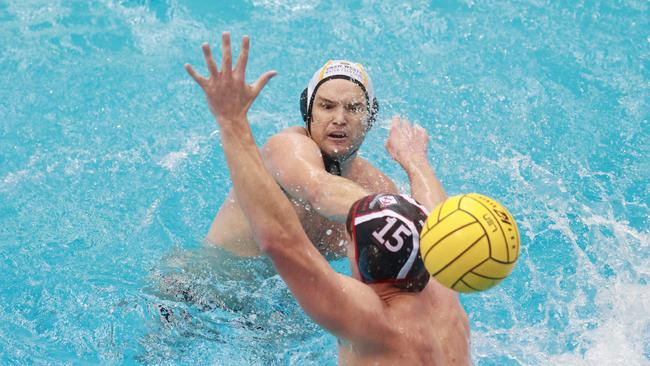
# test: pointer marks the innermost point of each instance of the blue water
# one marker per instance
(111, 171)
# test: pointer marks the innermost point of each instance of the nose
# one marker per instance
(339, 116)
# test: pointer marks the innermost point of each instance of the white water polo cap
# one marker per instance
(338, 69)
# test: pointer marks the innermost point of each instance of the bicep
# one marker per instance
(295, 163)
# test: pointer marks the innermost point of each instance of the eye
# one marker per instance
(355, 108)
(326, 105)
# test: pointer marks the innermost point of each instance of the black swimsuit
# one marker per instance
(331, 166)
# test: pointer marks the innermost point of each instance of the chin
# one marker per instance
(337, 152)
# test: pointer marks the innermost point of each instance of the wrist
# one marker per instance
(235, 125)
(420, 170)
(238, 120)
(235, 132)
(414, 164)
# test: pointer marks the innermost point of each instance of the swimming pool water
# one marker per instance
(111, 171)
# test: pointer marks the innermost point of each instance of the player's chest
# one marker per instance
(329, 237)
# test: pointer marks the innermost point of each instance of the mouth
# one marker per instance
(337, 135)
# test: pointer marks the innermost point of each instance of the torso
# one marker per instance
(328, 236)
(230, 228)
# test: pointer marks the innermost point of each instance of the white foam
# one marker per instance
(620, 228)
(13, 178)
(605, 303)
(30, 172)
(613, 333)
(624, 314)
(148, 216)
(152, 35)
(174, 158)
(286, 6)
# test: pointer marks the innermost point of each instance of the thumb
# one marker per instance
(395, 122)
(261, 82)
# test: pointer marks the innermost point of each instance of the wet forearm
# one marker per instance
(425, 186)
(335, 196)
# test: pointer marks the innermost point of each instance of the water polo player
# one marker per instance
(389, 311)
(316, 164)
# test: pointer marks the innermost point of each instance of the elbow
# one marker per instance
(316, 197)
(282, 241)
(278, 232)
(267, 245)
(273, 242)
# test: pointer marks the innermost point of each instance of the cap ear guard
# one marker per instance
(373, 114)
(303, 107)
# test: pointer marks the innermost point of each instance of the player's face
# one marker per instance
(339, 117)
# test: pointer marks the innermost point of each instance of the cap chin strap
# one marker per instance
(333, 165)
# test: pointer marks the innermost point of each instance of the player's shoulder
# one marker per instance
(290, 136)
(290, 140)
(294, 130)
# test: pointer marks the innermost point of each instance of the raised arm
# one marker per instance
(407, 144)
(321, 292)
(296, 163)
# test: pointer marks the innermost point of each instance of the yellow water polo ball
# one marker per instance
(469, 243)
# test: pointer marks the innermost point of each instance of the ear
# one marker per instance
(303, 106)
(374, 109)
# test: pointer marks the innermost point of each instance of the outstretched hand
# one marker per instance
(407, 143)
(228, 95)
